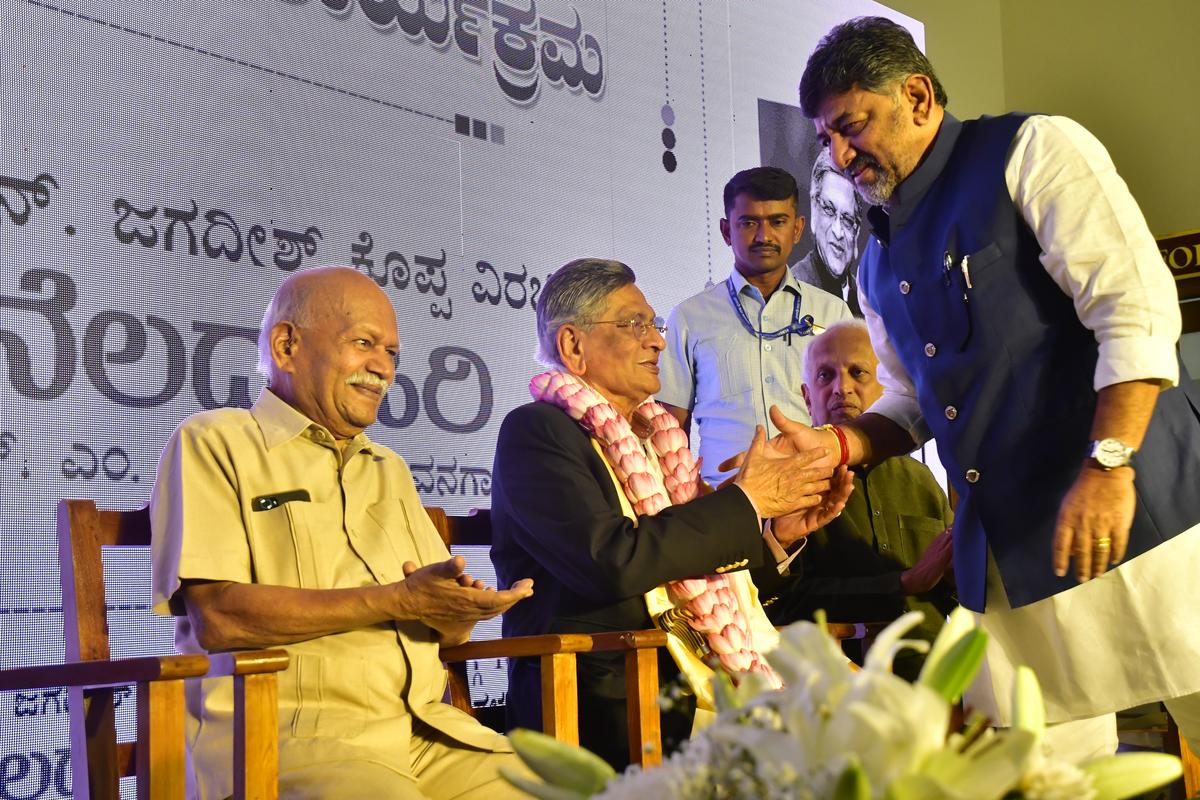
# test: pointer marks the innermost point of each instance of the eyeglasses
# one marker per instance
(638, 325)
(849, 222)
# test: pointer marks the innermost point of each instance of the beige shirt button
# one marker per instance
(930, 349)
(972, 475)
(951, 412)
(767, 346)
(905, 287)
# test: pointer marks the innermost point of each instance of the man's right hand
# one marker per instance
(780, 484)
(444, 596)
(931, 568)
(794, 438)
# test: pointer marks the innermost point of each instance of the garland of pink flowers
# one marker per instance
(709, 602)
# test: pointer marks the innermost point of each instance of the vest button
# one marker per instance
(905, 287)
(951, 412)
(930, 349)
(972, 475)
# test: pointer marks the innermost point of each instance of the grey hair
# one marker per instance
(290, 304)
(871, 53)
(575, 294)
(822, 166)
(854, 324)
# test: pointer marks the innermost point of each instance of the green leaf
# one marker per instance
(1131, 774)
(559, 764)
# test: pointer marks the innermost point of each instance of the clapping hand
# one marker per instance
(447, 599)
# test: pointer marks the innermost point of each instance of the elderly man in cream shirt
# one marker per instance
(285, 525)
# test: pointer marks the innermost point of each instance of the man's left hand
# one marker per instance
(1093, 522)
(793, 527)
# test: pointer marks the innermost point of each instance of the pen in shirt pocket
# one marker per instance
(266, 502)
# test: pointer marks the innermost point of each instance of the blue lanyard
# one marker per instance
(801, 326)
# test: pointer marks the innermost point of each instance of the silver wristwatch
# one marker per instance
(1110, 453)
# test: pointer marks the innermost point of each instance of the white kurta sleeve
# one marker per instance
(1097, 247)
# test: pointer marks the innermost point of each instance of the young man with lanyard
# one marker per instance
(737, 348)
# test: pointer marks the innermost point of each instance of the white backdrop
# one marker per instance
(164, 166)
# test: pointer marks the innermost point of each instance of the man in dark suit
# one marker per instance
(557, 507)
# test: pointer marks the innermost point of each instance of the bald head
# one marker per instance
(328, 346)
(304, 297)
(840, 380)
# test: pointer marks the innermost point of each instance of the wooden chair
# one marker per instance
(1173, 742)
(560, 687)
(157, 758)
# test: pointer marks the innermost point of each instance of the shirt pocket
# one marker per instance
(280, 546)
(737, 366)
(916, 534)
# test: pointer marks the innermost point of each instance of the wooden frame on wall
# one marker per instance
(1181, 252)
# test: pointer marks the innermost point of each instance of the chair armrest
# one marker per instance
(105, 673)
(144, 668)
(516, 646)
(247, 662)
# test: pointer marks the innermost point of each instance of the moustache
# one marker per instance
(860, 162)
(771, 247)
(367, 379)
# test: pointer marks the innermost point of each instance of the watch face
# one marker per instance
(1112, 453)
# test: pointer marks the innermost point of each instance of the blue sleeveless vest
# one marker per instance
(1003, 369)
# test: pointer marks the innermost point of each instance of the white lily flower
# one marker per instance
(834, 734)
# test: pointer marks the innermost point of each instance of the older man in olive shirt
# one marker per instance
(889, 550)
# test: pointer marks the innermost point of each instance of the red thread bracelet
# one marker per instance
(844, 456)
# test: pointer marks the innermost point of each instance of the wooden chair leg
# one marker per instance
(161, 764)
(458, 691)
(1191, 763)
(641, 693)
(560, 697)
(93, 730)
(255, 738)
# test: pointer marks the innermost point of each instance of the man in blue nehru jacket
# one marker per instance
(1023, 317)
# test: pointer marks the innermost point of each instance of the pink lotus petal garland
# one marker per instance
(710, 603)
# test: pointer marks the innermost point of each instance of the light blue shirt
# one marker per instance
(728, 377)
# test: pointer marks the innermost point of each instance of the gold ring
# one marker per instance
(1104, 542)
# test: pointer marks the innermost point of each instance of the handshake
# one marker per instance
(796, 478)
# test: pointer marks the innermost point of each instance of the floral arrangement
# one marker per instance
(837, 734)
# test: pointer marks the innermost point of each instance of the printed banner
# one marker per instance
(163, 168)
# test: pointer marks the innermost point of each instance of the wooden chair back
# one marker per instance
(557, 652)
(157, 757)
